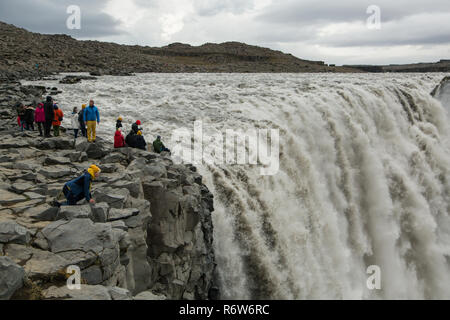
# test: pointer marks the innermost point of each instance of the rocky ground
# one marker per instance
(149, 235)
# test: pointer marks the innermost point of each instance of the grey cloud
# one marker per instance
(213, 7)
(45, 17)
(319, 12)
(363, 41)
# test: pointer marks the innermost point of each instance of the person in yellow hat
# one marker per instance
(79, 188)
(140, 141)
(119, 123)
(81, 120)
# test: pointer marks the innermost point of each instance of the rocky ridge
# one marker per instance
(149, 235)
(24, 54)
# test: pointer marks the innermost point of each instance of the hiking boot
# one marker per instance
(55, 203)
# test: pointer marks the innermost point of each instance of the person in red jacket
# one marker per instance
(119, 140)
(58, 117)
(39, 118)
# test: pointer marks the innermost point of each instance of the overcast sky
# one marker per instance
(335, 31)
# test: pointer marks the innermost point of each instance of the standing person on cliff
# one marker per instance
(29, 118)
(81, 120)
(49, 116)
(57, 120)
(39, 118)
(21, 115)
(92, 118)
(75, 124)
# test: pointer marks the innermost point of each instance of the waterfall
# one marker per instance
(363, 180)
(363, 177)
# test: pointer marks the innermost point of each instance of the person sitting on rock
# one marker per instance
(159, 146)
(119, 123)
(119, 140)
(135, 127)
(130, 139)
(140, 141)
(79, 188)
(57, 120)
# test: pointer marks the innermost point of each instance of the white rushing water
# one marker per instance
(363, 178)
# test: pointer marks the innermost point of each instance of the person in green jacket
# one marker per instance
(159, 146)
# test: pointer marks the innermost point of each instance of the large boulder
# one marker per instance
(100, 212)
(120, 214)
(75, 212)
(93, 150)
(11, 278)
(52, 160)
(56, 172)
(89, 238)
(38, 264)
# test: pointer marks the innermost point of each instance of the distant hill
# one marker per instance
(441, 66)
(21, 51)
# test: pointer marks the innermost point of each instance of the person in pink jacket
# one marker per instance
(39, 117)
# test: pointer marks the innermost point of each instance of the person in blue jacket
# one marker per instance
(91, 117)
(79, 188)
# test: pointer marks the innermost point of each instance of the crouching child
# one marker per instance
(79, 188)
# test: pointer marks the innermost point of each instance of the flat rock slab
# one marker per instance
(38, 264)
(87, 292)
(21, 187)
(12, 232)
(23, 206)
(119, 224)
(13, 143)
(11, 278)
(147, 295)
(119, 214)
(50, 160)
(44, 212)
(55, 172)
(74, 212)
(10, 198)
(115, 198)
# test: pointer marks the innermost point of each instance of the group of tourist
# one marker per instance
(45, 115)
(48, 114)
